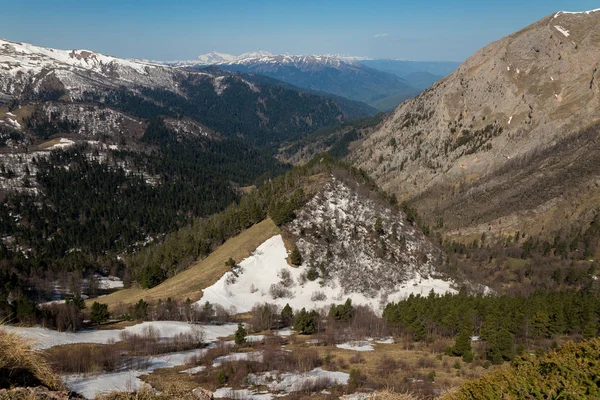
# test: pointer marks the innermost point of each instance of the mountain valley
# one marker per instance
(303, 226)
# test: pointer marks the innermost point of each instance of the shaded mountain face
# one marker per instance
(352, 80)
(487, 148)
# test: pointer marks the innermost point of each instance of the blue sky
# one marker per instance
(168, 30)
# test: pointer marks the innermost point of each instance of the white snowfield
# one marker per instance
(62, 144)
(110, 282)
(361, 345)
(294, 382)
(562, 30)
(20, 59)
(46, 338)
(259, 271)
(252, 356)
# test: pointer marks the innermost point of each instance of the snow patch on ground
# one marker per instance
(229, 393)
(356, 346)
(46, 338)
(256, 356)
(62, 143)
(293, 381)
(91, 386)
(284, 332)
(110, 282)
(562, 30)
(194, 370)
(259, 271)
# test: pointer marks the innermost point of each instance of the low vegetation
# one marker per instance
(21, 365)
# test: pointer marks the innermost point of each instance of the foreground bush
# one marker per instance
(21, 365)
(571, 372)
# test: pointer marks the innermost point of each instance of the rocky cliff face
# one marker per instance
(480, 149)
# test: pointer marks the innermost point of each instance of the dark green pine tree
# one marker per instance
(287, 316)
(295, 257)
(240, 335)
(99, 313)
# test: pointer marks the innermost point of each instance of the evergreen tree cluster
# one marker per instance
(87, 210)
(277, 198)
(266, 116)
(503, 322)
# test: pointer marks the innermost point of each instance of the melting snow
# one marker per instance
(111, 282)
(252, 356)
(62, 143)
(357, 346)
(562, 30)
(46, 338)
(294, 382)
(259, 271)
(194, 370)
(229, 393)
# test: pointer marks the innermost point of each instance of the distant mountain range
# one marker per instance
(382, 84)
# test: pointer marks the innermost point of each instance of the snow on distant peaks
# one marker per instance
(215, 58)
(263, 56)
(576, 12)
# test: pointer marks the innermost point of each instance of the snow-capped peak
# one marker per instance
(262, 56)
(577, 12)
(215, 58)
(15, 56)
(253, 55)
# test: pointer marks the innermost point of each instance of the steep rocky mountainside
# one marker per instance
(336, 140)
(508, 141)
(345, 239)
(349, 233)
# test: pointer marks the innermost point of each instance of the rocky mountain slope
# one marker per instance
(508, 141)
(352, 243)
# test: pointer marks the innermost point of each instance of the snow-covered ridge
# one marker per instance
(16, 56)
(576, 12)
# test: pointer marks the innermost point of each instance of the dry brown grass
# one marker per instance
(388, 394)
(191, 282)
(19, 360)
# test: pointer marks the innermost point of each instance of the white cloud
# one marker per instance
(381, 35)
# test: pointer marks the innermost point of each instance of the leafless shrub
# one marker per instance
(278, 291)
(319, 384)
(425, 362)
(220, 349)
(307, 360)
(85, 358)
(386, 365)
(318, 296)
(286, 278)
(265, 317)
(357, 359)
